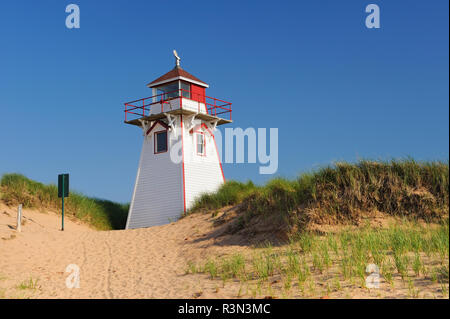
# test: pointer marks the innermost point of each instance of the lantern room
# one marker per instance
(174, 93)
(176, 83)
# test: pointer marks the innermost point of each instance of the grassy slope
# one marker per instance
(330, 195)
(102, 214)
(339, 193)
(410, 255)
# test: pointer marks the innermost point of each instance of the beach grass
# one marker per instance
(339, 193)
(406, 252)
(101, 214)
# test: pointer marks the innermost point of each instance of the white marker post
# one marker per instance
(19, 218)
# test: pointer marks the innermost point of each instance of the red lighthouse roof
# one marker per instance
(177, 73)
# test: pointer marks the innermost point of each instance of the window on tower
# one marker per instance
(185, 90)
(161, 142)
(169, 90)
(200, 142)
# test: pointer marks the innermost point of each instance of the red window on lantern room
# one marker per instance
(197, 93)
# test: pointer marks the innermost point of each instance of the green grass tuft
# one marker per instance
(229, 193)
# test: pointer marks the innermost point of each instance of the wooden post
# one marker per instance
(19, 218)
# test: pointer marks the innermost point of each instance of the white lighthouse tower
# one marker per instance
(179, 158)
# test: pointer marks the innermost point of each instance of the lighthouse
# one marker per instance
(179, 158)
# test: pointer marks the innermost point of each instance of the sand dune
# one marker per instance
(142, 263)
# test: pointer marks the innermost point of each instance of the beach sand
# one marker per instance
(141, 263)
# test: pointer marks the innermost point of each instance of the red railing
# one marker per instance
(142, 107)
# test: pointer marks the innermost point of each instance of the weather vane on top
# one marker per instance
(177, 58)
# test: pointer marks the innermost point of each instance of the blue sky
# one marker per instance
(335, 89)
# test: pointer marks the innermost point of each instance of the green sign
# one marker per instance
(63, 191)
(63, 185)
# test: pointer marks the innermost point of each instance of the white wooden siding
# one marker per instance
(174, 104)
(194, 106)
(158, 195)
(203, 174)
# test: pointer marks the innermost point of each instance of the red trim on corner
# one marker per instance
(182, 161)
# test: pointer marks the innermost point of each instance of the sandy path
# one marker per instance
(142, 263)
